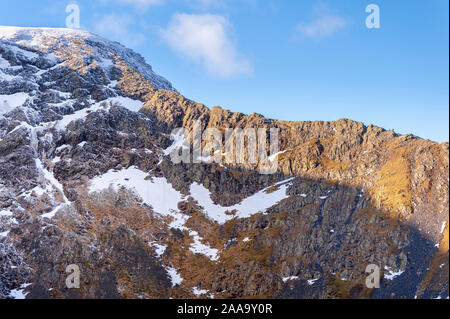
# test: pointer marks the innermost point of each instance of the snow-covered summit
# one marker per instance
(18, 34)
(56, 40)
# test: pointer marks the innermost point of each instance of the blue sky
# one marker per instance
(290, 60)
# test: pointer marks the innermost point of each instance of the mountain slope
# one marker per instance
(85, 179)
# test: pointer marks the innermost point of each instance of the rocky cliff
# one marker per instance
(86, 179)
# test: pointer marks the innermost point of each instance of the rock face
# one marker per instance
(86, 179)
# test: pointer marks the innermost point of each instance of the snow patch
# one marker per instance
(10, 102)
(82, 144)
(259, 202)
(159, 249)
(159, 194)
(53, 181)
(199, 248)
(274, 156)
(392, 274)
(286, 279)
(62, 147)
(130, 104)
(19, 293)
(156, 192)
(57, 159)
(178, 142)
(312, 281)
(6, 213)
(443, 227)
(174, 276)
(198, 292)
(4, 234)
(3, 63)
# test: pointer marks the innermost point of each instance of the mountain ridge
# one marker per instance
(85, 139)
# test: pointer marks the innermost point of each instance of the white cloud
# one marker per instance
(324, 25)
(118, 27)
(205, 39)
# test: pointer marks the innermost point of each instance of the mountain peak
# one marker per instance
(87, 177)
(38, 38)
(67, 43)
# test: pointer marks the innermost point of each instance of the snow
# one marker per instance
(303, 195)
(198, 292)
(65, 95)
(3, 63)
(38, 190)
(323, 197)
(250, 206)
(274, 156)
(130, 104)
(19, 293)
(113, 84)
(204, 159)
(53, 181)
(30, 56)
(286, 279)
(392, 274)
(312, 281)
(9, 214)
(7, 77)
(62, 147)
(4, 234)
(157, 192)
(174, 276)
(52, 39)
(52, 214)
(10, 102)
(178, 142)
(443, 227)
(57, 159)
(5, 213)
(198, 248)
(82, 144)
(246, 239)
(159, 249)
(78, 115)
(105, 63)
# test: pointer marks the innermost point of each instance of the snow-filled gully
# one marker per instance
(164, 199)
